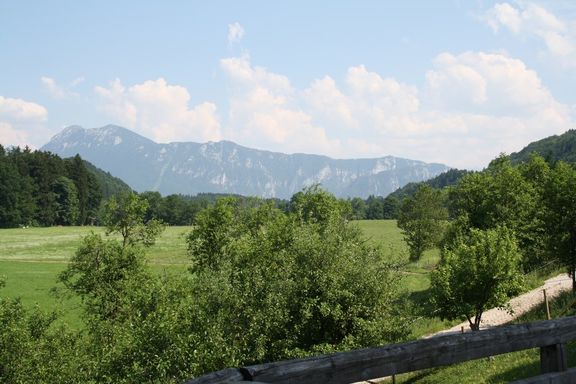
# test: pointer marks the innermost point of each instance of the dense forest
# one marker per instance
(41, 189)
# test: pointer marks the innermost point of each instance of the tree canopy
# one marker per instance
(423, 219)
(480, 270)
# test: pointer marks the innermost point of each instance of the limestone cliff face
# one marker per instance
(225, 167)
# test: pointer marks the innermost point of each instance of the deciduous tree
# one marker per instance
(423, 219)
(479, 270)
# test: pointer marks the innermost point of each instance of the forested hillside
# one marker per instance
(445, 179)
(109, 185)
(552, 149)
(39, 188)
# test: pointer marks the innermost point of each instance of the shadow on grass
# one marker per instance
(516, 373)
(421, 299)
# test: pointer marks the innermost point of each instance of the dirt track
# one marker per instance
(520, 304)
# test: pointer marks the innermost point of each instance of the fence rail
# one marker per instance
(364, 364)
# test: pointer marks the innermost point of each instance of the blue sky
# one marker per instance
(456, 82)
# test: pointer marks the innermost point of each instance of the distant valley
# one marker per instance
(225, 167)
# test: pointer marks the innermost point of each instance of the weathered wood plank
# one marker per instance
(364, 364)
(228, 375)
(553, 358)
(566, 377)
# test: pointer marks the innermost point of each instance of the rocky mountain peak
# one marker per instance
(225, 167)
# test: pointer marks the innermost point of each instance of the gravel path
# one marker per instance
(520, 304)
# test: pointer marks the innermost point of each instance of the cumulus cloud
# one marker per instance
(21, 122)
(471, 107)
(10, 136)
(160, 111)
(20, 110)
(265, 111)
(534, 21)
(55, 91)
(235, 33)
(487, 83)
(499, 102)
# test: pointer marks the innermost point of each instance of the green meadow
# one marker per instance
(32, 258)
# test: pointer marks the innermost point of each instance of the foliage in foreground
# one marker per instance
(264, 285)
(294, 284)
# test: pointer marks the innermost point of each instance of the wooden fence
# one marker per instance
(365, 364)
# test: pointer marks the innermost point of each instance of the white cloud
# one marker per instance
(265, 111)
(534, 21)
(77, 81)
(472, 106)
(160, 111)
(21, 110)
(501, 104)
(486, 83)
(235, 33)
(10, 136)
(57, 91)
(504, 14)
(21, 122)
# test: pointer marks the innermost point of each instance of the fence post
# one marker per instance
(548, 317)
(553, 358)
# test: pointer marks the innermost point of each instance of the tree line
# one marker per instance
(492, 228)
(41, 189)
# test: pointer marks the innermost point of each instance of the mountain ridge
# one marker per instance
(226, 167)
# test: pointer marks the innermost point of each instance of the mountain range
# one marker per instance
(226, 167)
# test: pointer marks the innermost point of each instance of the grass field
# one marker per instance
(32, 258)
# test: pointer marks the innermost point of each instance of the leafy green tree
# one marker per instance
(34, 349)
(536, 241)
(500, 195)
(422, 220)
(78, 173)
(125, 215)
(154, 200)
(358, 208)
(503, 195)
(560, 216)
(17, 204)
(390, 207)
(102, 272)
(479, 270)
(315, 205)
(292, 284)
(374, 208)
(67, 204)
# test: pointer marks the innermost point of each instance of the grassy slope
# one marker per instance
(502, 368)
(31, 259)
